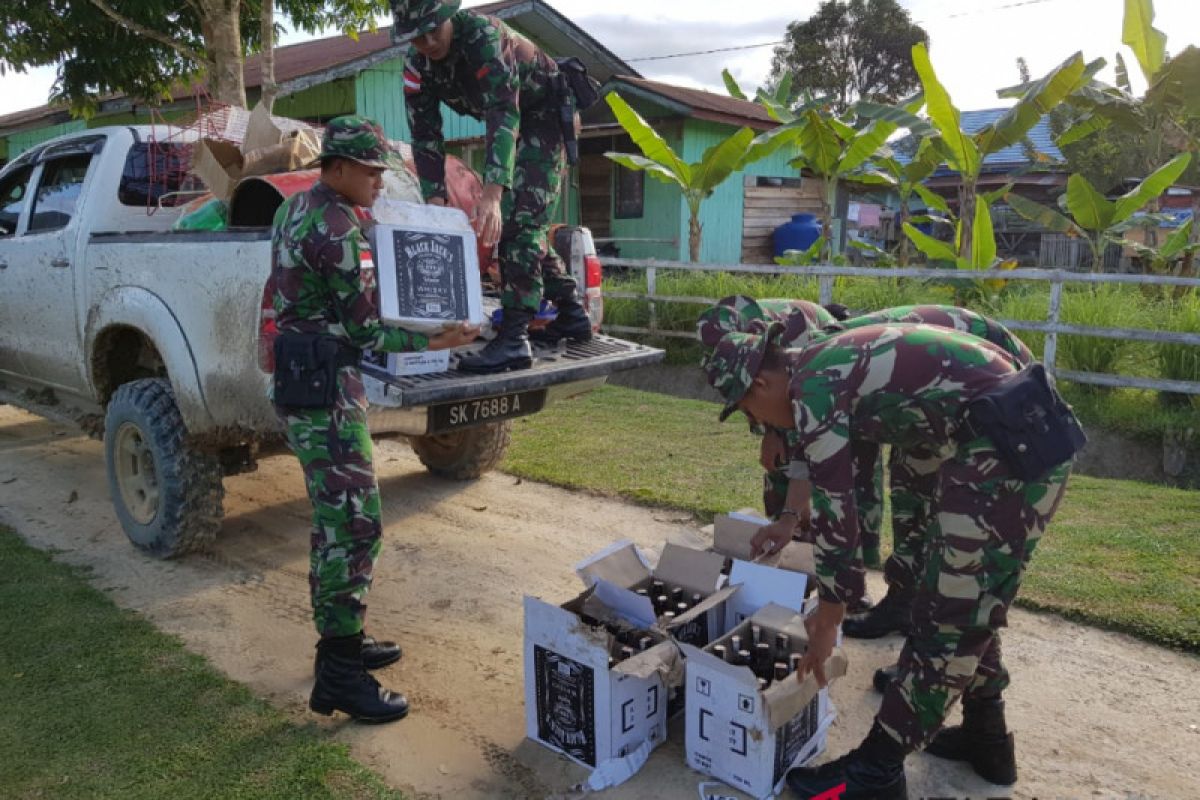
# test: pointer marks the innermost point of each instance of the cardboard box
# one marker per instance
(575, 702)
(620, 570)
(424, 362)
(219, 165)
(295, 151)
(732, 533)
(428, 266)
(750, 738)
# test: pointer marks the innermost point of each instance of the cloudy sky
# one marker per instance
(974, 43)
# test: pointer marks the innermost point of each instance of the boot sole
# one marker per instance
(328, 709)
(383, 662)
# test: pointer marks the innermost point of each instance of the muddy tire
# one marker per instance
(464, 455)
(167, 495)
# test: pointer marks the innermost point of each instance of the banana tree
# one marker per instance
(1092, 216)
(698, 180)
(1174, 257)
(906, 180)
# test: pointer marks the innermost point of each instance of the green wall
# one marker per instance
(20, 142)
(320, 103)
(721, 215)
(379, 94)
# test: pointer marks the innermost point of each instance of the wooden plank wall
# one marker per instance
(768, 207)
(595, 194)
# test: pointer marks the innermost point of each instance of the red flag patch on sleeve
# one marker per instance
(412, 81)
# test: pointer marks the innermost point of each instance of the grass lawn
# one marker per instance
(1119, 554)
(98, 704)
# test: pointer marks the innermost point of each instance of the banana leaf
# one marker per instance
(766, 143)
(964, 151)
(1039, 100)
(931, 198)
(652, 168)
(653, 146)
(731, 85)
(1042, 215)
(1177, 242)
(819, 144)
(931, 247)
(1083, 129)
(983, 237)
(900, 117)
(1089, 208)
(1154, 185)
(1148, 44)
(1123, 75)
(720, 161)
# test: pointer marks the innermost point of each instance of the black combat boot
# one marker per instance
(572, 322)
(872, 771)
(891, 614)
(375, 654)
(343, 684)
(982, 740)
(884, 676)
(509, 350)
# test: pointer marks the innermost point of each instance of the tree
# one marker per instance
(697, 180)
(144, 48)
(852, 50)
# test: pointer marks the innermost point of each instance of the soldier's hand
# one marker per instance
(822, 629)
(773, 537)
(463, 333)
(487, 221)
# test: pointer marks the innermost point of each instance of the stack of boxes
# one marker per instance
(604, 671)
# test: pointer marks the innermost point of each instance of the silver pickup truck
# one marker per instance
(158, 340)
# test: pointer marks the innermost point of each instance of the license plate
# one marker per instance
(467, 413)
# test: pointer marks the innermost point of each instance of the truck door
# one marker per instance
(41, 270)
(14, 199)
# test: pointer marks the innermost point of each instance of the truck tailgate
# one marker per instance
(568, 362)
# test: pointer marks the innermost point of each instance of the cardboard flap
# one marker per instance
(570, 635)
(761, 586)
(787, 698)
(798, 557)
(703, 607)
(663, 660)
(626, 605)
(732, 533)
(620, 563)
(694, 570)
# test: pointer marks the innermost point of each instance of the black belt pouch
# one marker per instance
(306, 366)
(1033, 428)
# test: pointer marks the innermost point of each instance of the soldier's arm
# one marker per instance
(499, 83)
(339, 258)
(423, 109)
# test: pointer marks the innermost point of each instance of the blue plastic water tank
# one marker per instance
(799, 234)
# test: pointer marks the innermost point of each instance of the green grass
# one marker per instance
(1119, 554)
(98, 704)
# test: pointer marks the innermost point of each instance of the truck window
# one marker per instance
(12, 199)
(58, 192)
(155, 171)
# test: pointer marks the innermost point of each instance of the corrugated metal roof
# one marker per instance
(1004, 160)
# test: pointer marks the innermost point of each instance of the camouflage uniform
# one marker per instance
(498, 76)
(324, 283)
(907, 385)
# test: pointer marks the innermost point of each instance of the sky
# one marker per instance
(974, 44)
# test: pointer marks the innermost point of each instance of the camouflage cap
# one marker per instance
(746, 315)
(411, 18)
(734, 363)
(359, 139)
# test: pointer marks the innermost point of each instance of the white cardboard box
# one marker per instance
(749, 738)
(428, 266)
(732, 533)
(574, 702)
(424, 362)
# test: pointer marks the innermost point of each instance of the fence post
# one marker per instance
(652, 290)
(825, 294)
(1051, 349)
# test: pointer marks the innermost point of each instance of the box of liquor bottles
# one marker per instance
(733, 532)
(596, 683)
(748, 719)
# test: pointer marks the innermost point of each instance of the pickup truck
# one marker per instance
(158, 340)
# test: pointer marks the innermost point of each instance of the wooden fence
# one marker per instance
(1052, 327)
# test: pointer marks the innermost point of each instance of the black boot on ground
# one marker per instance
(572, 322)
(982, 740)
(884, 676)
(509, 350)
(892, 614)
(375, 654)
(872, 771)
(343, 684)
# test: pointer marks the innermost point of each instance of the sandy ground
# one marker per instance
(1096, 714)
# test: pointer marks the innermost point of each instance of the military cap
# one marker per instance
(412, 18)
(359, 139)
(746, 315)
(734, 363)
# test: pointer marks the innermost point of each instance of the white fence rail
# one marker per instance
(1052, 327)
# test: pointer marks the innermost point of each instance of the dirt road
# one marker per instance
(1096, 714)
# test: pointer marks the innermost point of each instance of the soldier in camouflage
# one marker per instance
(324, 284)
(908, 386)
(479, 67)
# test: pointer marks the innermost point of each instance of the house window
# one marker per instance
(630, 196)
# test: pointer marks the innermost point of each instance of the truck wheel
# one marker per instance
(166, 494)
(465, 454)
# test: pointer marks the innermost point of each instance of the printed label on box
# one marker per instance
(430, 270)
(565, 697)
(791, 738)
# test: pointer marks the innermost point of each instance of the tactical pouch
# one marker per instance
(306, 367)
(584, 89)
(1032, 427)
